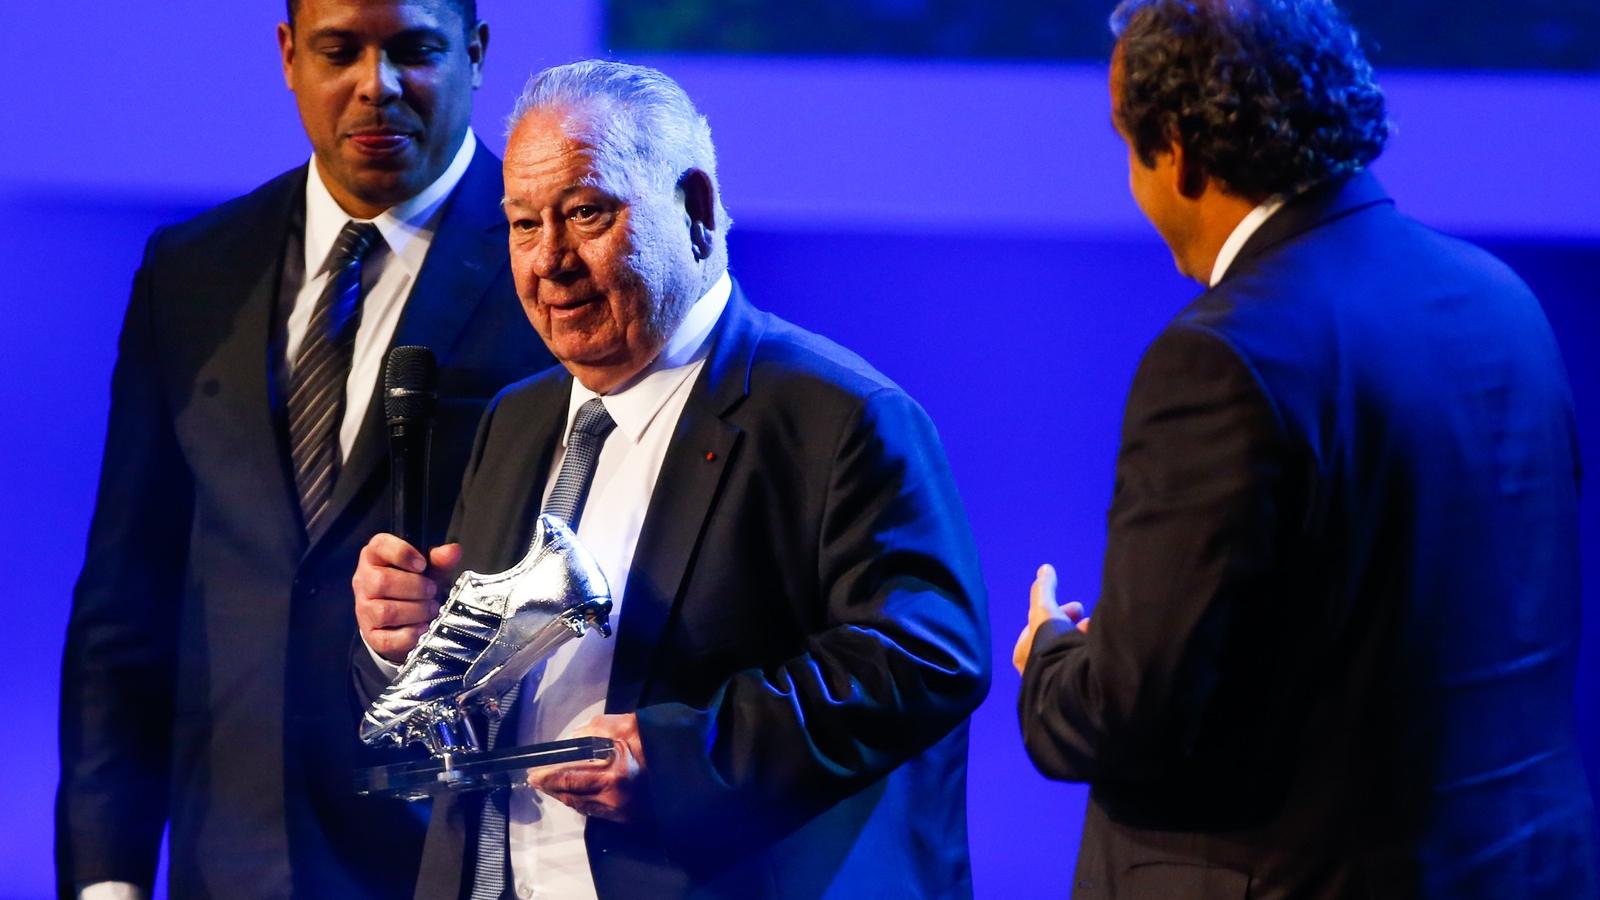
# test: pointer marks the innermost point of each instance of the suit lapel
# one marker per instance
(466, 255)
(249, 352)
(703, 447)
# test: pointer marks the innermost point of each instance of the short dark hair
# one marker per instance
(467, 8)
(1266, 96)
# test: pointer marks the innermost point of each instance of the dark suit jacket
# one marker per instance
(803, 634)
(206, 682)
(1334, 650)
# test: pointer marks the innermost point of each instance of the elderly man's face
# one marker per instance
(603, 277)
(384, 89)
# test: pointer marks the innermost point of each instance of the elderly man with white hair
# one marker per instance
(800, 623)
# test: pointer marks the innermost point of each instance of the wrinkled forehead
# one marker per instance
(618, 164)
(544, 160)
(592, 149)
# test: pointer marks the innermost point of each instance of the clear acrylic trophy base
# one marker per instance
(476, 771)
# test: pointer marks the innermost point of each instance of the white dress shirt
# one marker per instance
(1241, 233)
(548, 856)
(387, 276)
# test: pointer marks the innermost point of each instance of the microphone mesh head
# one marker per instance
(410, 382)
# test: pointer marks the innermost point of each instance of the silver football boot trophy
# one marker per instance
(491, 631)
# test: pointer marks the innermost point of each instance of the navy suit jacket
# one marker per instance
(1334, 651)
(206, 682)
(803, 636)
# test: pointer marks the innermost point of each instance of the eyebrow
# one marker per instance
(409, 33)
(569, 189)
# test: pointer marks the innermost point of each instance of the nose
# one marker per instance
(380, 79)
(553, 256)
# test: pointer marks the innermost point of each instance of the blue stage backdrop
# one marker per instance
(963, 226)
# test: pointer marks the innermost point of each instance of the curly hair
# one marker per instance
(1266, 96)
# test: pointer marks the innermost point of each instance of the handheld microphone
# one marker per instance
(410, 384)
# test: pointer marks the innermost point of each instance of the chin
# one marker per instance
(584, 354)
(388, 184)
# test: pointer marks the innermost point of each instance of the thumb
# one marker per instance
(445, 558)
(1044, 591)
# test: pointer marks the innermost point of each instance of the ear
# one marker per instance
(1191, 179)
(700, 207)
(286, 52)
(477, 48)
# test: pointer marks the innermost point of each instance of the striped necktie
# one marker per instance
(589, 429)
(316, 387)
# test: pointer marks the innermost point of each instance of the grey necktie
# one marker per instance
(589, 429)
(316, 388)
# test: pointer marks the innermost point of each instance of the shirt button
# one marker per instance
(525, 891)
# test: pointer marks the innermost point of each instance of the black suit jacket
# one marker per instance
(1334, 650)
(803, 634)
(206, 678)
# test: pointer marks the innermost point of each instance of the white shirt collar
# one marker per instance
(1241, 233)
(635, 405)
(399, 225)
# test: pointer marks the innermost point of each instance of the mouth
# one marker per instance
(569, 308)
(381, 142)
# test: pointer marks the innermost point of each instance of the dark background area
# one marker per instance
(1432, 34)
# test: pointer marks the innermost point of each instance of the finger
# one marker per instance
(1044, 585)
(1074, 610)
(1083, 625)
(585, 778)
(538, 775)
(445, 559)
(379, 612)
(1042, 597)
(1023, 648)
(394, 644)
(623, 730)
(374, 583)
(1043, 594)
(390, 551)
(589, 806)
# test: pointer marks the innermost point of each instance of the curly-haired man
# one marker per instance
(1333, 653)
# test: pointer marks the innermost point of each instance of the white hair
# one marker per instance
(644, 130)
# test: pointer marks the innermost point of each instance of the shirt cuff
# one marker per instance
(389, 670)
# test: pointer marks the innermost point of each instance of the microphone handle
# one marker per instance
(408, 481)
